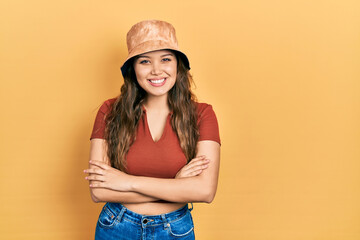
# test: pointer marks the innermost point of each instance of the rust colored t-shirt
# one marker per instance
(163, 158)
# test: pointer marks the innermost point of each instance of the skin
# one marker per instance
(195, 182)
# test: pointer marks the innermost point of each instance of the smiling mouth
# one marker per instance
(157, 81)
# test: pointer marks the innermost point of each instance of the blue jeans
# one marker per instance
(118, 222)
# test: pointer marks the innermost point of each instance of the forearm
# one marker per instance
(200, 188)
(107, 195)
(192, 189)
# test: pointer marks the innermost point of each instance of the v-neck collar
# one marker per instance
(144, 110)
(146, 125)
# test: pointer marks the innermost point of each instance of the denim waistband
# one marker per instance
(122, 212)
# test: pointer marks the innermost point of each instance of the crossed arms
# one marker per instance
(195, 182)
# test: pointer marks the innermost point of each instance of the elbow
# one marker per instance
(94, 199)
(95, 195)
(208, 195)
(206, 191)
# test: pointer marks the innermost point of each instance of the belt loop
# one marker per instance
(192, 207)
(121, 213)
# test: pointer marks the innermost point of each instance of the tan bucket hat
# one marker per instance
(151, 35)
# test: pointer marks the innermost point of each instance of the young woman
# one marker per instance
(154, 149)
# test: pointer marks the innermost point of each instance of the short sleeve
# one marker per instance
(208, 124)
(99, 125)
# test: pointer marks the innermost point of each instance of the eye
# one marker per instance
(166, 59)
(144, 61)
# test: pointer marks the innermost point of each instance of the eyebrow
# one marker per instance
(167, 54)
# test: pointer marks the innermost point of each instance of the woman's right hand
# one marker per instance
(194, 167)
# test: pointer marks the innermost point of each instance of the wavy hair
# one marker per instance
(123, 119)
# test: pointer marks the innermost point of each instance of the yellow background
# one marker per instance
(284, 80)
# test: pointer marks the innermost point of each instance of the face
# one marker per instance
(156, 72)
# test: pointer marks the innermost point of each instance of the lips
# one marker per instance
(157, 82)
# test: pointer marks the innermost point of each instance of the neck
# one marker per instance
(159, 104)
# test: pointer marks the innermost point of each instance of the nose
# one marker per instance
(156, 69)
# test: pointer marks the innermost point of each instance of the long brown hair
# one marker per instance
(123, 119)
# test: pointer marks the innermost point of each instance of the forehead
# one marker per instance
(157, 53)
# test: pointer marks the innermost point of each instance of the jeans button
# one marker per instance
(145, 221)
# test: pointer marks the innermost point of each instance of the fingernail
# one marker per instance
(86, 178)
(90, 185)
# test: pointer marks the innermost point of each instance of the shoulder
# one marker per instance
(107, 105)
(204, 110)
(201, 106)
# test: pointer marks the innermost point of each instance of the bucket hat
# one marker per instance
(151, 35)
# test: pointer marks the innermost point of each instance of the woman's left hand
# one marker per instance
(194, 167)
(107, 177)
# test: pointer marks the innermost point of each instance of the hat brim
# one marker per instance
(151, 46)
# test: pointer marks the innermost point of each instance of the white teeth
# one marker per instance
(158, 81)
